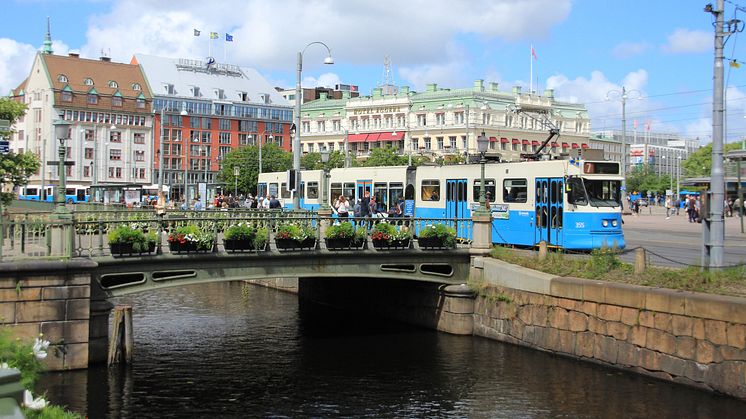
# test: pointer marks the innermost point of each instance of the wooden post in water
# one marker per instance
(640, 261)
(121, 341)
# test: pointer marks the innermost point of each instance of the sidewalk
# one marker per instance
(654, 218)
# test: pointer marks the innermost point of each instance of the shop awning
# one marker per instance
(584, 145)
(356, 138)
(390, 136)
(493, 139)
(534, 142)
(525, 142)
(565, 145)
(372, 138)
(516, 141)
(575, 145)
(503, 140)
(555, 145)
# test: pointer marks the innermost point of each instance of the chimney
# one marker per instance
(432, 87)
(72, 54)
(516, 90)
(105, 59)
(323, 96)
(479, 85)
(549, 93)
(494, 86)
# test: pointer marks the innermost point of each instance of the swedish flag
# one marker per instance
(214, 35)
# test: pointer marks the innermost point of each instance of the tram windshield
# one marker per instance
(603, 192)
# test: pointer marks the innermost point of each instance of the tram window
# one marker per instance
(272, 189)
(261, 189)
(312, 190)
(430, 190)
(349, 191)
(576, 191)
(380, 192)
(396, 193)
(335, 191)
(69, 191)
(284, 192)
(489, 188)
(32, 191)
(515, 190)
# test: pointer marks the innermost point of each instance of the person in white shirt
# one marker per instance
(342, 206)
(265, 203)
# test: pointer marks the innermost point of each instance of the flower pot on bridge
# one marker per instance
(293, 244)
(189, 238)
(295, 236)
(128, 249)
(128, 240)
(243, 237)
(437, 236)
(391, 244)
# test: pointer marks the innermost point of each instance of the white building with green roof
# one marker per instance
(443, 121)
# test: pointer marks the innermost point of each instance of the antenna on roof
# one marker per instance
(387, 85)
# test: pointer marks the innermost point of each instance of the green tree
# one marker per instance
(385, 156)
(699, 163)
(312, 161)
(274, 159)
(15, 169)
(643, 179)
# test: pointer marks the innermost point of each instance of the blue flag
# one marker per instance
(228, 37)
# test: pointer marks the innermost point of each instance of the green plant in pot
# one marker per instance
(244, 236)
(340, 235)
(294, 235)
(128, 239)
(437, 236)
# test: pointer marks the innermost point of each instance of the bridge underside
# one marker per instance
(121, 276)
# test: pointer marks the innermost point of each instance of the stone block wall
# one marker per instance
(685, 337)
(52, 299)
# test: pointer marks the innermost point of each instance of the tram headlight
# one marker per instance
(605, 223)
(614, 223)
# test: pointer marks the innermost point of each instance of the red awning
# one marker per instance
(584, 145)
(534, 142)
(515, 141)
(493, 139)
(565, 145)
(373, 137)
(525, 142)
(574, 145)
(356, 138)
(397, 136)
(555, 145)
(503, 140)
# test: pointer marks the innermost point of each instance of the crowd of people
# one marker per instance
(367, 207)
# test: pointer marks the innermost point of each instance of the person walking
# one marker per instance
(669, 206)
(342, 206)
(274, 203)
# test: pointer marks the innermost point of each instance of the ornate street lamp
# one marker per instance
(296, 138)
(324, 159)
(482, 143)
(62, 133)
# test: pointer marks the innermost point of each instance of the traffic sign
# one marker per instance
(4, 146)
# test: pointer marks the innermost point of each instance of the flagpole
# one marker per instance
(531, 76)
(209, 46)
(225, 46)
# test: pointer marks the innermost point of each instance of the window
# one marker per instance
(422, 120)
(195, 91)
(458, 118)
(224, 124)
(86, 171)
(515, 190)
(136, 86)
(440, 142)
(206, 123)
(141, 173)
(115, 137)
(88, 153)
(66, 96)
(139, 155)
(336, 125)
(489, 189)
(415, 143)
(115, 154)
(306, 126)
(140, 103)
(427, 143)
(486, 118)
(452, 140)
(92, 99)
(116, 101)
(115, 172)
(440, 118)
(312, 190)
(430, 190)
(169, 89)
(138, 138)
(224, 137)
(320, 126)
(62, 78)
(113, 84)
(88, 81)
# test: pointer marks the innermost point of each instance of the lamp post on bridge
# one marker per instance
(236, 173)
(298, 100)
(482, 218)
(482, 144)
(324, 198)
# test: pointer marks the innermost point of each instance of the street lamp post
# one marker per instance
(482, 144)
(260, 140)
(236, 173)
(624, 94)
(61, 132)
(160, 150)
(324, 199)
(298, 100)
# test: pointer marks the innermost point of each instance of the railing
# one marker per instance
(30, 236)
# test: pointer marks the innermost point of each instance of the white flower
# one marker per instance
(33, 404)
(40, 348)
(4, 365)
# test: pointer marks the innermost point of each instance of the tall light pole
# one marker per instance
(236, 173)
(61, 132)
(482, 144)
(623, 95)
(324, 159)
(713, 236)
(298, 100)
(260, 140)
(160, 150)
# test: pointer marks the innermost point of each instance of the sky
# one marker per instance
(586, 50)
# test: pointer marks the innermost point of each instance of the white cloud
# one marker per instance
(324, 80)
(630, 49)
(15, 65)
(688, 41)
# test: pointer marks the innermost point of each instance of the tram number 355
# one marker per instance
(579, 224)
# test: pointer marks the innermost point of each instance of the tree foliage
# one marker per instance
(643, 179)
(312, 161)
(385, 156)
(15, 169)
(699, 163)
(274, 159)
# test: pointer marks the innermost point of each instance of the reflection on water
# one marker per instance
(215, 351)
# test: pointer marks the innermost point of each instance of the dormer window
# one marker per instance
(62, 78)
(244, 96)
(136, 86)
(88, 81)
(220, 93)
(265, 98)
(113, 84)
(195, 91)
(169, 89)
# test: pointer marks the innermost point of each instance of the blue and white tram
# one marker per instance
(73, 194)
(569, 204)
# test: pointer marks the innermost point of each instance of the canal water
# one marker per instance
(229, 350)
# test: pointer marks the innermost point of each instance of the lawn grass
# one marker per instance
(605, 265)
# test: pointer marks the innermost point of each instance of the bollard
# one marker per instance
(640, 261)
(542, 250)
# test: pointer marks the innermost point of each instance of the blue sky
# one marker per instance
(660, 50)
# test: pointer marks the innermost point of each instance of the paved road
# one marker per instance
(676, 242)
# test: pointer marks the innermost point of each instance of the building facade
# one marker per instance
(442, 121)
(340, 91)
(209, 109)
(108, 106)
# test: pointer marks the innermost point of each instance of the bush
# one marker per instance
(261, 238)
(295, 231)
(387, 232)
(128, 233)
(344, 230)
(446, 234)
(240, 231)
(192, 234)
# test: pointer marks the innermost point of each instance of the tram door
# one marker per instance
(362, 186)
(549, 210)
(456, 203)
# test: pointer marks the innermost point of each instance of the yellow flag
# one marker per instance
(735, 64)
